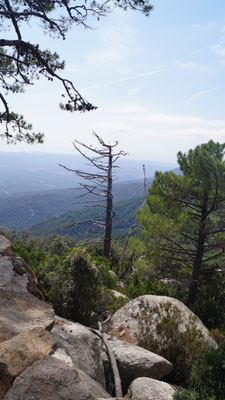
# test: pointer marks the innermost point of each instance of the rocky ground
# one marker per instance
(43, 356)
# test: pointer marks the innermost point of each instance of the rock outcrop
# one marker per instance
(134, 361)
(5, 246)
(83, 347)
(45, 357)
(150, 389)
(49, 379)
(17, 276)
(21, 312)
(131, 314)
(20, 352)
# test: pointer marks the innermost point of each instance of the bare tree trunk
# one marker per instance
(109, 212)
(132, 228)
(194, 284)
(98, 184)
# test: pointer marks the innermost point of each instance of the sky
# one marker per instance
(158, 82)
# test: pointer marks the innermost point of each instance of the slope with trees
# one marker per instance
(183, 221)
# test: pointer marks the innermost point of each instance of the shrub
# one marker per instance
(74, 288)
(166, 339)
(136, 286)
(207, 380)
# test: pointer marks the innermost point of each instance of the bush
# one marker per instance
(166, 339)
(207, 380)
(136, 286)
(74, 289)
(210, 301)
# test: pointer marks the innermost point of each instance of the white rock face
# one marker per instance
(5, 247)
(150, 389)
(17, 276)
(10, 279)
(129, 316)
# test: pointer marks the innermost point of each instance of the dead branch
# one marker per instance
(132, 228)
(112, 359)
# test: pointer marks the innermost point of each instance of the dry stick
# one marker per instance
(132, 228)
(112, 359)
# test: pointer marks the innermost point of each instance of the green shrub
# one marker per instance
(166, 339)
(210, 301)
(207, 380)
(74, 289)
(136, 286)
(32, 257)
(112, 302)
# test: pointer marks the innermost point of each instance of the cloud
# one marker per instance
(204, 27)
(114, 46)
(191, 65)
(142, 133)
(203, 93)
(218, 49)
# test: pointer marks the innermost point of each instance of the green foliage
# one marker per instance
(160, 332)
(209, 305)
(183, 219)
(76, 281)
(207, 377)
(110, 301)
(74, 287)
(136, 286)
(23, 62)
(29, 254)
(125, 210)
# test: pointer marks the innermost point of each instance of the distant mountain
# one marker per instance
(125, 212)
(36, 172)
(24, 210)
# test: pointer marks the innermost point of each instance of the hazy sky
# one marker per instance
(158, 82)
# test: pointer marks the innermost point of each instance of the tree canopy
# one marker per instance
(183, 218)
(22, 62)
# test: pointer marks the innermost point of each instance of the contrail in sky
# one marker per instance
(128, 78)
(157, 71)
(203, 92)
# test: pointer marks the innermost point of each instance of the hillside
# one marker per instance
(37, 172)
(125, 210)
(23, 211)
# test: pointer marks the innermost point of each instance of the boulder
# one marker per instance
(21, 312)
(150, 389)
(94, 387)
(16, 275)
(49, 379)
(82, 346)
(5, 247)
(20, 352)
(134, 361)
(131, 315)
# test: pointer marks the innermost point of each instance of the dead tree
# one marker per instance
(130, 264)
(99, 184)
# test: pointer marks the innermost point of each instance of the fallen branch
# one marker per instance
(112, 358)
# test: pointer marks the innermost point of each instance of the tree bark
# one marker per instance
(194, 284)
(109, 212)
